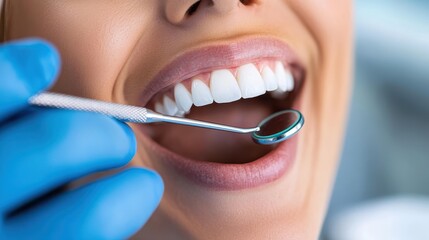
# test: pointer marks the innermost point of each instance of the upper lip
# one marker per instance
(221, 55)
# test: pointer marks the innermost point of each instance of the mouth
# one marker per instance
(233, 83)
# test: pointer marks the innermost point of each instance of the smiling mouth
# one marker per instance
(240, 96)
(239, 84)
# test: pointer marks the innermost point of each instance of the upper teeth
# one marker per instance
(250, 81)
(225, 87)
(183, 97)
(201, 94)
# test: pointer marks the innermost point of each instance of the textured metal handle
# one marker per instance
(119, 111)
(122, 112)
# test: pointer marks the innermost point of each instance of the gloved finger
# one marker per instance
(27, 67)
(46, 149)
(112, 208)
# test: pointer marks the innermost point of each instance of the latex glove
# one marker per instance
(43, 149)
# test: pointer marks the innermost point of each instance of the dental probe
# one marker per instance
(262, 134)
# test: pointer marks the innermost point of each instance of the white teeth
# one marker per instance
(201, 94)
(250, 81)
(281, 76)
(183, 98)
(159, 108)
(270, 79)
(180, 114)
(284, 78)
(290, 81)
(224, 87)
(170, 106)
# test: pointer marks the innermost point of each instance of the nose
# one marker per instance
(178, 11)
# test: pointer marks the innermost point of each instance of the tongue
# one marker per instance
(217, 146)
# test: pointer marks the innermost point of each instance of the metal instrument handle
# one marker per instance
(123, 112)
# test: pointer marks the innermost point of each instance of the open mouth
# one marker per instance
(240, 96)
(238, 92)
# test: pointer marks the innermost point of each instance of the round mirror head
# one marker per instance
(278, 127)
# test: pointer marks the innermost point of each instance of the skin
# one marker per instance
(111, 49)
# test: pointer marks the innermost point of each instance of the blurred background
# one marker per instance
(382, 187)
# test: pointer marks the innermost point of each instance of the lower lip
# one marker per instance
(231, 177)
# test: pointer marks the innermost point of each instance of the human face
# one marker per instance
(217, 185)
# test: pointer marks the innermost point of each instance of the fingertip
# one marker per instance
(158, 185)
(108, 141)
(146, 184)
(129, 133)
(134, 195)
(146, 189)
(152, 179)
(50, 60)
(35, 60)
(81, 142)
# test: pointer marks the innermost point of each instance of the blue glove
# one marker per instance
(41, 150)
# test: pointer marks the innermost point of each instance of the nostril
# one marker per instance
(247, 2)
(193, 8)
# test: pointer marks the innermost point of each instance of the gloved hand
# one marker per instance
(41, 150)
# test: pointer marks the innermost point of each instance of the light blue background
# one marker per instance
(386, 152)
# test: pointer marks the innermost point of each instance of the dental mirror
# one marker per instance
(273, 129)
(278, 127)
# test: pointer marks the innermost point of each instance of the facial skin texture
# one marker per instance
(111, 49)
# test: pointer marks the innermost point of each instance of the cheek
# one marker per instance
(330, 22)
(330, 26)
(95, 39)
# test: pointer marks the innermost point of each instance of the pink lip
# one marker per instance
(231, 177)
(223, 55)
(220, 176)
